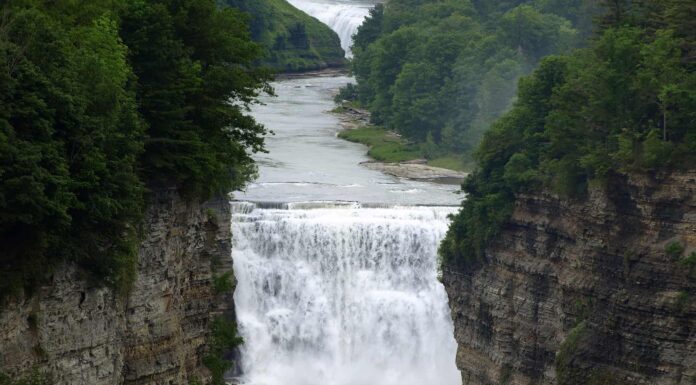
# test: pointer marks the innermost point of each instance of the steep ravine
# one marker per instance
(584, 292)
(85, 335)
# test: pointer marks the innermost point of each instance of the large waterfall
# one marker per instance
(343, 16)
(342, 295)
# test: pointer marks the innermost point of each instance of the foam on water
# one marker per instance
(338, 294)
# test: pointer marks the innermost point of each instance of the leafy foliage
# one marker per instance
(624, 104)
(223, 338)
(674, 250)
(689, 261)
(103, 100)
(223, 283)
(293, 40)
(34, 377)
(69, 140)
(568, 349)
(445, 70)
(348, 93)
(191, 60)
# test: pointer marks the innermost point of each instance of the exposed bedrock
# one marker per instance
(585, 292)
(156, 334)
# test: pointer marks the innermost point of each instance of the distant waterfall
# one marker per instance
(342, 296)
(344, 17)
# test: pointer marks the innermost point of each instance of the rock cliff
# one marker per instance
(594, 291)
(155, 334)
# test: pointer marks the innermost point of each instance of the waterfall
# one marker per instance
(342, 17)
(342, 295)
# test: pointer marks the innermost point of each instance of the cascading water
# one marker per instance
(343, 16)
(342, 295)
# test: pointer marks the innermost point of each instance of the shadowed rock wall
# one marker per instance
(155, 334)
(584, 292)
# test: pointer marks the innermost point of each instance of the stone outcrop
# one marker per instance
(81, 334)
(591, 291)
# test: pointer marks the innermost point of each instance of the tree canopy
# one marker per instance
(626, 103)
(293, 40)
(104, 100)
(444, 70)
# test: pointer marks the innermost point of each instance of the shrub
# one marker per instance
(223, 338)
(564, 370)
(223, 283)
(674, 249)
(34, 377)
(95, 107)
(349, 93)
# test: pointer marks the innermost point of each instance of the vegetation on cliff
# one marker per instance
(294, 41)
(439, 72)
(626, 103)
(102, 100)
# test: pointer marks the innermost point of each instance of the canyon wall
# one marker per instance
(156, 333)
(599, 290)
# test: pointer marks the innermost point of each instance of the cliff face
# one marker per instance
(156, 334)
(589, 292)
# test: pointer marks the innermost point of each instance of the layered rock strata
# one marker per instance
(600, 290)
(79, 333)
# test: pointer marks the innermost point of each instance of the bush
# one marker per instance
(349, 93)
(34, 377)
(631, 85)
(690, 260)
(674, 249)
(223, 338)
(223, 283)
(565, 371)
(103, 101)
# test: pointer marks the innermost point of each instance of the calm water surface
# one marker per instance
(307, 162)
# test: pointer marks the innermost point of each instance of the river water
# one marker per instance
(337, 264)
(307, 162)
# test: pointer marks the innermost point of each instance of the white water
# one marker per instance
(343, 16)
(342, 296)
(337, 270)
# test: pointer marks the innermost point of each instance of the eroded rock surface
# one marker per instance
(85, 335)
(584, 292)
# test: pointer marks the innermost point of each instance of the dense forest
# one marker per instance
(294, 41)
(104, 101)
(440, 72)
(624, 104)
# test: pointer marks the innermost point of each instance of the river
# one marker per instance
(337, 264)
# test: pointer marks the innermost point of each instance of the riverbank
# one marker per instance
(329, 72)
(394, 155)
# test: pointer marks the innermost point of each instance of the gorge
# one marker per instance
(336, 264)
(567, 256)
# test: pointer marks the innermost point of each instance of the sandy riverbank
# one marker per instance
(352, 118)
(418, 171)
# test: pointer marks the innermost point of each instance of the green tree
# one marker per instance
(448, 68)
(192, 60)
(103, 99)
(624, 104)
(70, 139)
